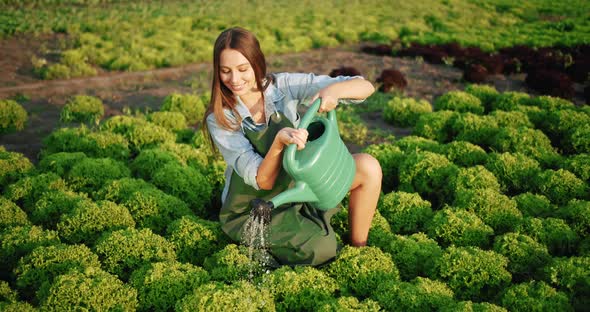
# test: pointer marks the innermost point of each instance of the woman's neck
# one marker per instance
(255, 105)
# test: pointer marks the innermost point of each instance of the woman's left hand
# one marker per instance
(329, 102)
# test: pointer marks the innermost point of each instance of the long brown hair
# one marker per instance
(245, 42)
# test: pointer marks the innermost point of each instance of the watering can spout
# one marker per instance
(261, 210)
(299, 193)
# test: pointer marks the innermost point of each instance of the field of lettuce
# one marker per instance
(485, 205)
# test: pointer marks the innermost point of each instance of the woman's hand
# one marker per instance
(329, 102)
(288, 136)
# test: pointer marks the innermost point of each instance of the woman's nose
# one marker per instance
(235, 77)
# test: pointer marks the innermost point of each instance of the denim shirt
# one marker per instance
(284, 94)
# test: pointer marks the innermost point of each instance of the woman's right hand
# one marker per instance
(289, 135)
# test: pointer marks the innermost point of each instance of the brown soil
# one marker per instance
(146, 90)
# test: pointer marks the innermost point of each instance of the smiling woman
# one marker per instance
(251, 119)
(238, 76)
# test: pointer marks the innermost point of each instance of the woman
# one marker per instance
(251, 118)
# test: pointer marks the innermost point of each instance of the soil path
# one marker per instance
(146, 90)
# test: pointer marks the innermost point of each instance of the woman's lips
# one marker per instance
(238, 87)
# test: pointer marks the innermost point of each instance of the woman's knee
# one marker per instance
(368, 166)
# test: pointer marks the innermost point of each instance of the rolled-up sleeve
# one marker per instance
(237, 151)
(305, 86)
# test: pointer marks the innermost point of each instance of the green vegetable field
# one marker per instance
(485, 202)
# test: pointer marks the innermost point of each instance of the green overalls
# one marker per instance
(299, 233)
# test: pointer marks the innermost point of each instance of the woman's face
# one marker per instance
(236, 73)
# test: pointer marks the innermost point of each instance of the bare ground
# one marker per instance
(146, 90)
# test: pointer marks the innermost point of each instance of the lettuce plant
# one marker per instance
(96, 144)
(436, 126)
(414, 255)
(459, 227)
(52, 205)
(299, 289)
(494, 208)
(473, 128)
(169, 120)
(577, 214)
(154, 209)
(412, 143)
(473, 273)
(561, 186)
(509, 101)
(571, 275)
(389, 156)
(11, 215)
(534, 296)
(465, 154)
(459, 101)
(579, 164)
(13, 166)
(18, 241)
(404, 112)
(554, 233)
(121, 190)
(219, 297)
(476, 177)
(551, 103)
(92, 289)
(530, 142)
(348, 304)
(88, 220)
(429, 175)
(13, 116)
(161, 284)
(186, 183)
(190, 105)
(148, 161)
(420, 294)
(405, 212)
(230, 264)
(579, 139)
(123, 251)
(60, 163)
(485, 93)
(514, 119)
(83, 109)
(534, 205)
(26, 191)
(90, 174)
(138, 131)
(37, 270)
(525, 255)
(516, 172)
(360, 271)
(196, 238)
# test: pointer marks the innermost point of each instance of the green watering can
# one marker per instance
(323, 171)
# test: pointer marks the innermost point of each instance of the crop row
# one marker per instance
(486, 206)
(131, 36)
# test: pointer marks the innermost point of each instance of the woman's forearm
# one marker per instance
(357, 89)
(270, 166)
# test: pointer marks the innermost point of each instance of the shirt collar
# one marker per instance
(272, 95)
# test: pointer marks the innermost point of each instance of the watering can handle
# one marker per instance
(289, 158)
(311, 112)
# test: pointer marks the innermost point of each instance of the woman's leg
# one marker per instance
(364, 194)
